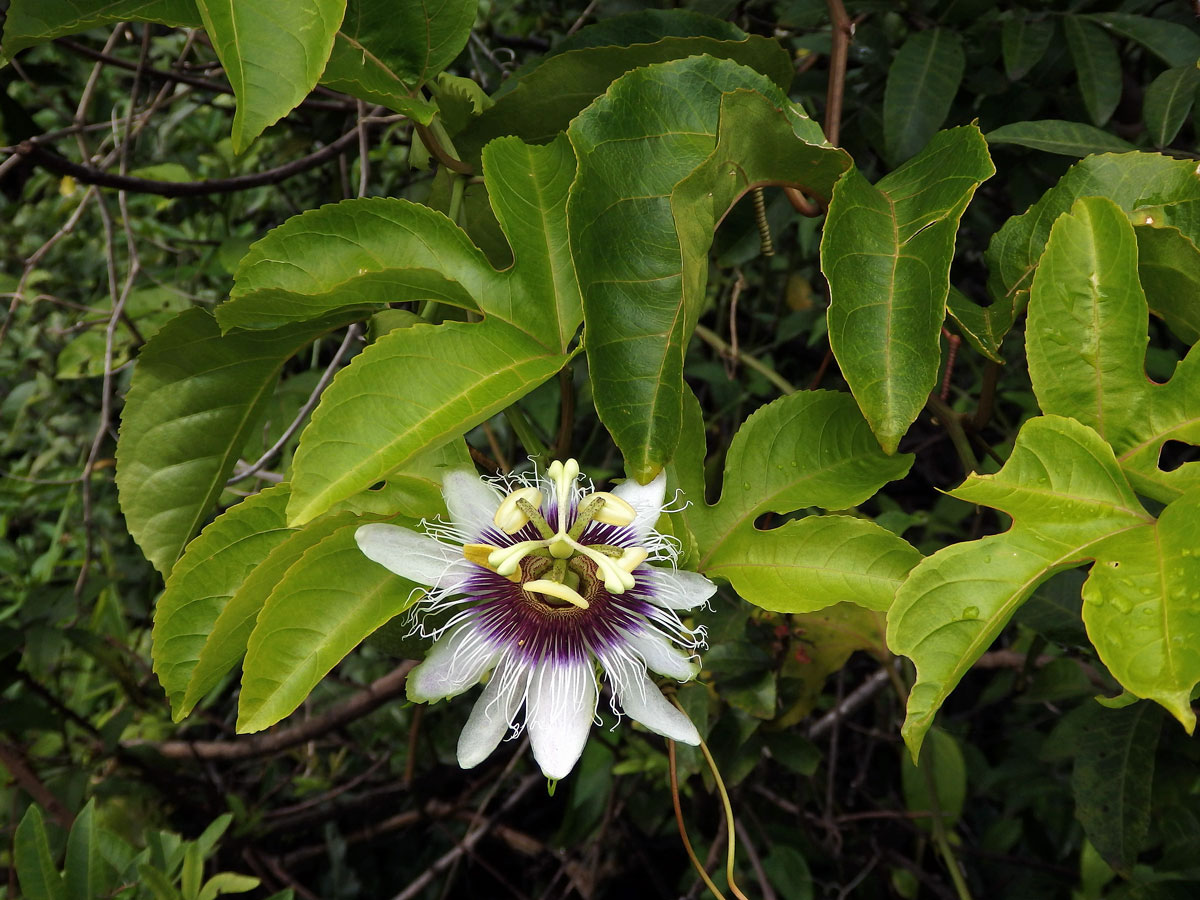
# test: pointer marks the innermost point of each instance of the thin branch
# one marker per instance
(850, 704)
(361, 704)
(60, 165)
(842, 32)
(719, 344)
(334, 364)
(13, 759)
(202, 83)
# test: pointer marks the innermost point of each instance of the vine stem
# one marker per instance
(687, 844)
(722, 346)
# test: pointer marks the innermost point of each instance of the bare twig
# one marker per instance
(850, 704)
(259, 464)
(842, 32)
(13, 759)
(366, 701)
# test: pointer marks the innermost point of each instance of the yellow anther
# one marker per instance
(632, 558)
(615, 511)
(557, 591)
(509, 518)
(478, 553)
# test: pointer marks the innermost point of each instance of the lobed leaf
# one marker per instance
(922, 82)
(1134, 181)
(886, 253)
(323, 607)
(412, 389)
(195, 397)
(661, 156)
(1169, 270)
(1086, 344)
(201, 585)
(545, 100)
(30, 22)
(273, 55)
(1065, 493)
(384, 51)
(803, 450)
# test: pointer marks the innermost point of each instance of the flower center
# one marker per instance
(556, 570)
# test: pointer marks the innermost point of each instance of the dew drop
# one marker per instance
(1121, 602)
(971, 612)
(745, 485)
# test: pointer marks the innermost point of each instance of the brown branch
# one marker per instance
(13, 759)
(366, 701)
(60, 165)
(842, 31)
(202, 83)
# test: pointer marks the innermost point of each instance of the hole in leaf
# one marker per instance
(377, 486)
(1175, 453)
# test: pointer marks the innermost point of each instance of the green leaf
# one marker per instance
(803, 450)
(1065, 492)
(227, 883)
(1141, 608)
(984, 327)
(1168, 101)
(390, 403)
(160, 886)
(384, 51)
(31, 856)
(1174, 44)
(324, 606)
(195, 398)
(1058, 136)
(545, 100)
(1023, 42)
(662, 155)
(357, 254)
(86, 873)
(412, 389)
(273, 55)
(942, 766)
(32, 22)
(1131, 180)
(191, 873)
(202, 583)
(1086, 341)
(1169, 270)
(921, 84)
(886, 253)
(1096, 65)
(1113, 777)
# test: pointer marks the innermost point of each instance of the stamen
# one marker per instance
(616, 579)
(588, 509)
(556, 590)
(632, 558)
(535, 516)
(563, 475)
(510, 517)
(506, 560)
(616, 511)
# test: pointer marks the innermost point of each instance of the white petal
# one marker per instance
(562, 703)
(661, 656)
(493, 714)
(647, 499)
(470, 501)
(677, 588)
(643, 702)
(455, 663)
(414, 556)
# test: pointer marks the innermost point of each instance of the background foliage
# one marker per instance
(938, 427)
